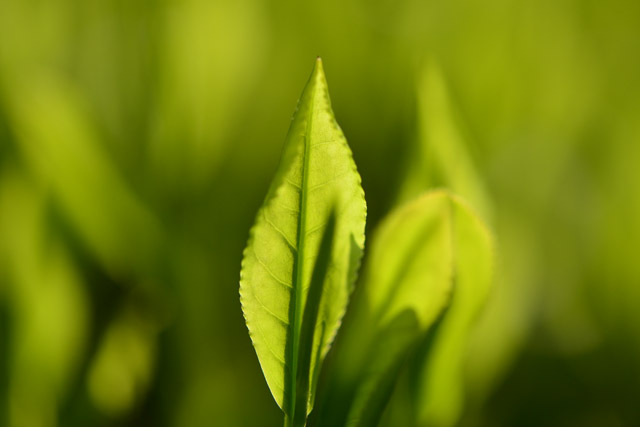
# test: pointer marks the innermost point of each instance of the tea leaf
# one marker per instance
(64, 151)
(441, 156)
(407, 286)
(316, 176)
(428, 274)
(439, 396)
(310, 323)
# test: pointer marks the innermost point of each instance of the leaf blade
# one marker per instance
(406, 288)
(441, 155)
(310, 322)
(440, 382)
(316, 175)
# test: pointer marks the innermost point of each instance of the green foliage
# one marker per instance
(316, 176)
(423, 253)
(138, 140)
(427, 274)
(439, 389)
(63, 151)
(48, 300)
(406, 287)
(441, 155)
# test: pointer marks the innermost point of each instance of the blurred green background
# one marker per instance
(138, 139)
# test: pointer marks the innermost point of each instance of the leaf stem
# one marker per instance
(288, 421)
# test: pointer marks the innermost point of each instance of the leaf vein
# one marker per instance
(284, 322)
(293, 184)
(271, 273)
(266, 343)
(331, 141)
(280, 232)
(330, 180)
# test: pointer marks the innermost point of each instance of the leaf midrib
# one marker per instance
(298, 288)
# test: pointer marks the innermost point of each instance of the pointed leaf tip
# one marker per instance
(316, 176)
(318, 70)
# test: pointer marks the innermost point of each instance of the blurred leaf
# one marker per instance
(48, 304)
(441, 156)
(407, 286)
(316, 174)
(440, 388)
(199, 102)
(63, 150)
(121, 371)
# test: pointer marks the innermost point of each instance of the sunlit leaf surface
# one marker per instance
(428, 273)
(440, 386)
(316, 174)
(407, 285)
(441, 155)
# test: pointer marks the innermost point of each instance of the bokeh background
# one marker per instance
(138, 139)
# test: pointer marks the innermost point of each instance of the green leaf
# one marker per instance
(46, 333)
(441, 155)
(122, 367)
(440, 384)
(310, 323)
(407, 286)
(426, 278)
(64, 151)
(442, 158)
(316, 176)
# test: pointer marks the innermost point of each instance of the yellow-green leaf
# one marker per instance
(428, 274)
(440, 393)
(441, 156)
(316, 176)
(406, 288)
